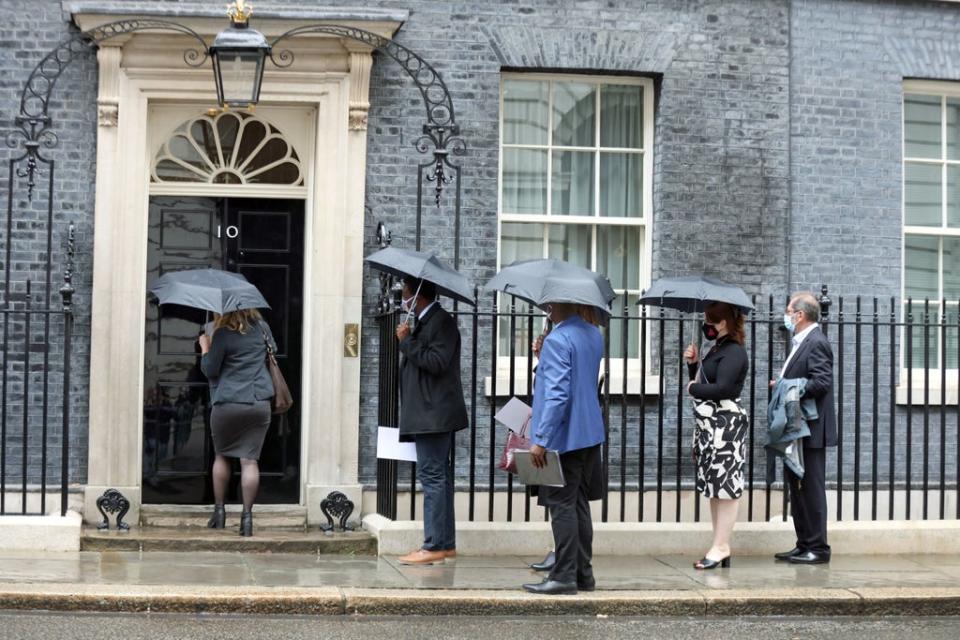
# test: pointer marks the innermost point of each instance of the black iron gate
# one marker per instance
(35, 386)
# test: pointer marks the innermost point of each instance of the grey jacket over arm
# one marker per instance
(814, 361)
(236, 365)
(788, 414)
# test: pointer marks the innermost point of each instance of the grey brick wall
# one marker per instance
(848, 65)
(29, 30)
(721, 181)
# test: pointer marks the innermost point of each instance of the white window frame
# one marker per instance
(916, 377)
(644, 223)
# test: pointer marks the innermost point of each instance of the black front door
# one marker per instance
(263, 240)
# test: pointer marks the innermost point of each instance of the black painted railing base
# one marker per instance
(896, 381)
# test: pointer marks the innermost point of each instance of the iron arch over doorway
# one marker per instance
(439, 137)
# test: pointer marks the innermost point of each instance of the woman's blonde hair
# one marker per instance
(238, 321)
(589, 314)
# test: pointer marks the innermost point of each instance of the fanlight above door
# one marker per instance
(229, 148)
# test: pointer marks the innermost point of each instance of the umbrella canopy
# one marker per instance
(694, 293)
(423, 266)
(543, 281)
(208, 289)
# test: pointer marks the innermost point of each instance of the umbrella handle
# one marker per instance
(406, 320)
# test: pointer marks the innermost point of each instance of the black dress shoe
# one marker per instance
(587, 585)
(546, 564)
(786, 555)
(810, 557)
(552, 588)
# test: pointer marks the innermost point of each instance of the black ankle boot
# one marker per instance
(219, 517)
(246, 523)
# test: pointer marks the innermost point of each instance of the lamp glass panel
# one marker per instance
(240, 75)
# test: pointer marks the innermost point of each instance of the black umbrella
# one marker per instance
(208, 289)
(543, 281)
(694, 293)
(423, 266)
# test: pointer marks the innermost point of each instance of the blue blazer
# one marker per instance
(566, 411)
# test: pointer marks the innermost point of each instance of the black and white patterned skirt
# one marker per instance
(719, 446)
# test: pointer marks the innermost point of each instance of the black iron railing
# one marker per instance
(896, 380)
(35, 368)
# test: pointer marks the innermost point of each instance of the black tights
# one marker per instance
(249, 480)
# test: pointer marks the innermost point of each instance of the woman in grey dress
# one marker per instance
(235, 362)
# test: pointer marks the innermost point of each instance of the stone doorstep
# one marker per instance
(366, 601)
(292, 517)
(264, 540)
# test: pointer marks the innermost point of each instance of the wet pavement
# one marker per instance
(643, 573)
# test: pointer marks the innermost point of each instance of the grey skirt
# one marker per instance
(238, 430)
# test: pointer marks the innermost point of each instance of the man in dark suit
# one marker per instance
(431, 411)
(810, 357)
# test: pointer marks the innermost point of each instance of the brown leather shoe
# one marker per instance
(450, 554)
(423, 557)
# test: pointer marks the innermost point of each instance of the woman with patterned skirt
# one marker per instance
(719, 443)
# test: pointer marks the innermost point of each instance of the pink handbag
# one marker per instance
(515, 442)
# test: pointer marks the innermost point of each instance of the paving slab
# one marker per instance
(804, 601)
(171, 599)
(219, 582)
(909, 601)
(474, 602)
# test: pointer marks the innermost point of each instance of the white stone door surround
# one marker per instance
(329, 81)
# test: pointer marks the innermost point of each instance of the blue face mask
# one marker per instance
(788, 322)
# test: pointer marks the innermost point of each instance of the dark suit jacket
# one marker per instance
(431, 394)
(814, 361)
(236, 365)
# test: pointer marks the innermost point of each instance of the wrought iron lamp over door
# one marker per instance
(238, 54)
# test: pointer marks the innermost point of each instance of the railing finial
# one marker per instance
(67, 290)
(824, 301)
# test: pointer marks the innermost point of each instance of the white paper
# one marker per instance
(389, 446)
(514, 414)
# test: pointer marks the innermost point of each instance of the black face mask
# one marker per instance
(709, 331)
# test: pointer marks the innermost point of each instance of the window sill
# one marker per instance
(934, 393)
(652, 385)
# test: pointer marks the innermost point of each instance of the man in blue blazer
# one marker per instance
(567, 418)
